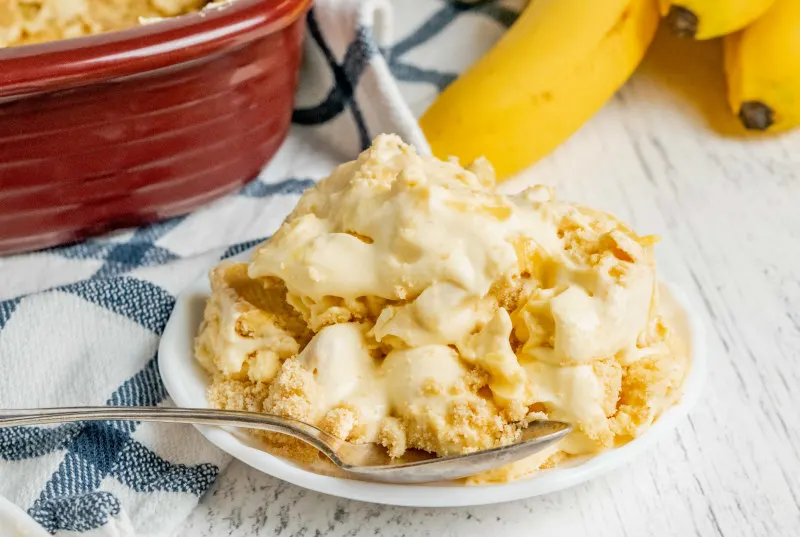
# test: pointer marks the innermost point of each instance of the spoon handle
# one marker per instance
(324, 442)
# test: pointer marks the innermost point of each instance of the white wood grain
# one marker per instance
(729, 214)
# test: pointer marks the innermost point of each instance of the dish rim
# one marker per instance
(80, 61)
(176, 365)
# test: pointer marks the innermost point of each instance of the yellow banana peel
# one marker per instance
(554, 68)
(704, 19)
(762, 67)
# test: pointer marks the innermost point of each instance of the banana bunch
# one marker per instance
(704, 19)
(762, 54)
(762, 67)
(563, 59)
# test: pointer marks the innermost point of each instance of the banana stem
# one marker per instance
(756, 115)
(682, 21)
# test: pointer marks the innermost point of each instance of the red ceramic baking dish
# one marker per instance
(125, 128)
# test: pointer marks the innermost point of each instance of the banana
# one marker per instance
(704, 19)
(554, 68)
(762, 67)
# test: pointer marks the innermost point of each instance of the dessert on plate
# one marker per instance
(25, 22)
(406, 302)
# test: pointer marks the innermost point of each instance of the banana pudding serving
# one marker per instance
(406, 302)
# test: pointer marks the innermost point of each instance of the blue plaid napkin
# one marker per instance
(80, 324)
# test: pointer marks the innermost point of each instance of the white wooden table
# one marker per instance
(729, 214)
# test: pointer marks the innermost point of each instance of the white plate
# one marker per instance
(187, 384)
(14, 522)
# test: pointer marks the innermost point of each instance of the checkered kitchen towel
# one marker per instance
(79, 325)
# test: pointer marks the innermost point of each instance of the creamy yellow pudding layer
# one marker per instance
(406, 302)
(24, 22)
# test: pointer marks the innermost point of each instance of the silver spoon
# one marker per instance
(362, 461)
